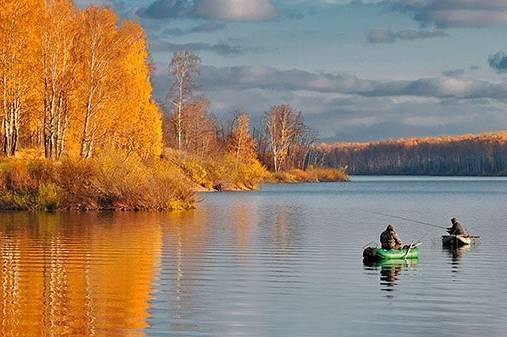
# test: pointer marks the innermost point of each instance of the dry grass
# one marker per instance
(311, 175)
(114, 183)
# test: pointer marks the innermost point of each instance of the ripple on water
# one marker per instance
(281, 262)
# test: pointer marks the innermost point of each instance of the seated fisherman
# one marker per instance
(456, 229)
(390, 240)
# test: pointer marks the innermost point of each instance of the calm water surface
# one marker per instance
(285, 261)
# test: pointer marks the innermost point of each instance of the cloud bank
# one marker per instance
(207, 27)
(388, 36)
(453, 13)
(345, 107)
(267, 78)
(225, 10)
(221, 48)
(236, 10)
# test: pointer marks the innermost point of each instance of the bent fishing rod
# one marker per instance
(407, 219)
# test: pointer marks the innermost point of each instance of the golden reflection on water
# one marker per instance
(185, 243)
(77, 274)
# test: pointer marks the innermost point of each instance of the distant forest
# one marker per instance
(469, 155)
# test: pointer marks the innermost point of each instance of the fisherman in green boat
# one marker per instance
(392, 248)
(390, 239)
(457, 228)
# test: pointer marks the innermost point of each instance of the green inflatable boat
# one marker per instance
(378, 254)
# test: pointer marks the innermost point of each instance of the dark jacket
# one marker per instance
(456, 229)
(390, 240)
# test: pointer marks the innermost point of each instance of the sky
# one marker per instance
(359, 70)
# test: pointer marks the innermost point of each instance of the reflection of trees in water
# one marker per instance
(286, 228)
(243, 221)
(76, 274)
(185, 241)
(194, 252)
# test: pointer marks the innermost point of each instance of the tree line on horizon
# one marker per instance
(474, 155)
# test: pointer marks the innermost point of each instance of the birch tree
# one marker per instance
(18, 47)
(100, 51)
(283, 125)
(59, 39)
(184, 67)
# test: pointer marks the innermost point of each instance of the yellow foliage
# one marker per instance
(76, 82)
(310, 175)
(246, 174)
(116, 182)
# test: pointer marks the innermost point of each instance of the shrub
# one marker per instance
(310, 175)
(49, 197)
(115, 182)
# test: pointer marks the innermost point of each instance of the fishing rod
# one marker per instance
(408, 219)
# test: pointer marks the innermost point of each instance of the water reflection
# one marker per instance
(391, 271)
(261, 264)
(455, 254)
(76, 274)
(185, 237)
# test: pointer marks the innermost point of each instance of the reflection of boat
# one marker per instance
(379, 254)
(390, 270)
(391, 263)
(457, 253)
(458, 240)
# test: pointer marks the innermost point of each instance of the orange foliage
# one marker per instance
(74, 82)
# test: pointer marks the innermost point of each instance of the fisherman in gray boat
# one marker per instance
(457, 228)
(390, 239)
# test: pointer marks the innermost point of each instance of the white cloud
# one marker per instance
(236, 10)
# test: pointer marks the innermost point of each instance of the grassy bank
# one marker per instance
(225, 174)
(103, 183)
(311, 175)
(116, 182)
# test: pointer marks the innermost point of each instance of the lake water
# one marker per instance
(284, 261)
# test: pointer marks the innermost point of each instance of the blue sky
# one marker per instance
(359, 70)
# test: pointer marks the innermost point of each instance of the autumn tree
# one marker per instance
(19, 46)
(184, 67)
(99, 54)
(283, 126)
(194, 128)
(302, 151)
(59, 43)
(74, 81)
(240, 142)
(137, 127)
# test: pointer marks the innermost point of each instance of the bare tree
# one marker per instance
(283, 126)
(184, 67)
(302, 149)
